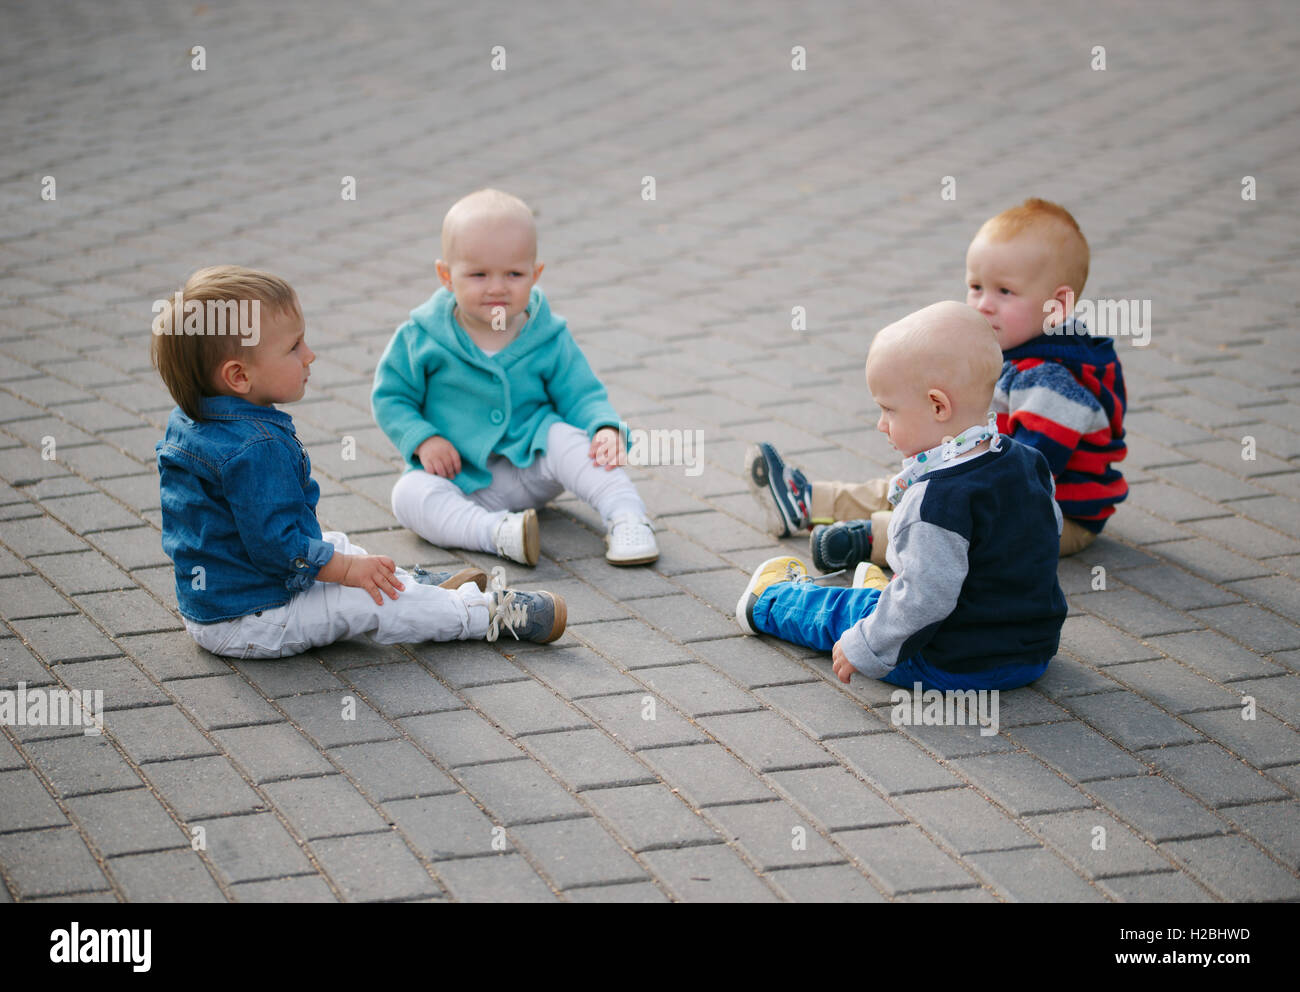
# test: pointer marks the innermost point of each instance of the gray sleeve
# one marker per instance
(930, 565)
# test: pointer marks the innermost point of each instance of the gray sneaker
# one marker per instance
(451, 580)
(528, 616)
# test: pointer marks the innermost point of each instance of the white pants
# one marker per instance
(329, 612)
(437, 509)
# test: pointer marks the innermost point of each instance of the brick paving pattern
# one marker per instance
(475, 771)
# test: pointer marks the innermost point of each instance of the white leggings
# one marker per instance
(437, 509)
(327, 612)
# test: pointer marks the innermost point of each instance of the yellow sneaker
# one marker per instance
(783, 568)
(869, 576)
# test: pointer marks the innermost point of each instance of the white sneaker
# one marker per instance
(630, 540)
(518, 537)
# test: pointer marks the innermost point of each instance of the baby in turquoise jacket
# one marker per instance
(493, 405)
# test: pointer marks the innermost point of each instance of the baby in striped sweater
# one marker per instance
(1061, 391)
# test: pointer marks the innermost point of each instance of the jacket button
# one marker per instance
(497, 416)
(299, 563)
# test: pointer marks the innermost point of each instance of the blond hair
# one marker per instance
(1056, 228)
(481, 204)
(947, 345)
(188, 359)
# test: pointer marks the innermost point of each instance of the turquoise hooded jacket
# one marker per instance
(433, 380)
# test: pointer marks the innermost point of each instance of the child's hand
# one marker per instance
(372, 573)
(607, 449)
(843, 667)
(438, 457)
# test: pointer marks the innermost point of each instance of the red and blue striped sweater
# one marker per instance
(1064, 395)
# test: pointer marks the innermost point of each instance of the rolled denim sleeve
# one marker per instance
(277, 525)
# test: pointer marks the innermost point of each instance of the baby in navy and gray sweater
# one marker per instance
(973, 541)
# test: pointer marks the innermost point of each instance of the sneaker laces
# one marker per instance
(505, 611)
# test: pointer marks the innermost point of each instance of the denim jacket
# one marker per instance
(238, 509)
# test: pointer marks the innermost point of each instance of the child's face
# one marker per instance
(1008, 282)
(495, 267)
(907, 417)
(278, 368)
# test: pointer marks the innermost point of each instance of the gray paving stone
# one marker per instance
(517, 792)
(578, 852)
(902, 859)
(1175, 688)
(497, 878)
(1274, 826)
(706, 774)
(18, 664)
(297, 889)
(649, 817)
(132, 611)
(373, 867)
(166, 877)
(1257, 629)
(157, 733)
(200, 787)
(441, 827)
(712, 873)
(393, 770)
(1156, 809)
(224, 701)
(965, 821)
(625, 718)
(1215, 777)
(404, 689)
(1134, 612)
(576, 672)
(337, 718)
(750, 662)
(137, 547)
(1208, 560)
(1279, 593)
(80, 765)
(49, 862)
(272, 751)
(1020, 784)
(1033, 876)
(587, 759)
(9, 756)
(633, 892)
(634, 644)
(31, 596)
(1281, 696)
(1131, 721)
(820, 710)
(123, 684)
(460, 737)
(1096, 843)
(252, 847)
(66, 639)
(1263, 741)
(298, 677)
(826, 883)
(893, 764)
(38, 536)
(765, 741)
(684, 619)
(90, 512)
(1079, 753)
(1096, 643)
(174, 655)
(1213, 655)
(324, 807)
(525, 708)
(836, 799)
(697, 690)
(1066, 677)
(128, 822)
(1165, 887)
(1235, 869)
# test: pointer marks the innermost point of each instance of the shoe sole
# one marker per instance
(532, 540)
(475, 575)
(760, 486)
(742, 613)
(561, 618)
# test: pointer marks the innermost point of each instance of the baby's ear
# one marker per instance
(232, 377)
(444, 272)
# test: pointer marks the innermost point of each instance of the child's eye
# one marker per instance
(975, 286)
(1005, 291)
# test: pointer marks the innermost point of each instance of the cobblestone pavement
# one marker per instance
(481, 772)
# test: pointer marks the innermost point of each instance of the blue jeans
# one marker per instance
(817, 616)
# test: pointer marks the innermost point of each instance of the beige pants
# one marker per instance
(832, 501)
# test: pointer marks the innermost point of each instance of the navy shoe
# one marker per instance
(841, 545)
(451, 580)
(528, 616)
(782, 492)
